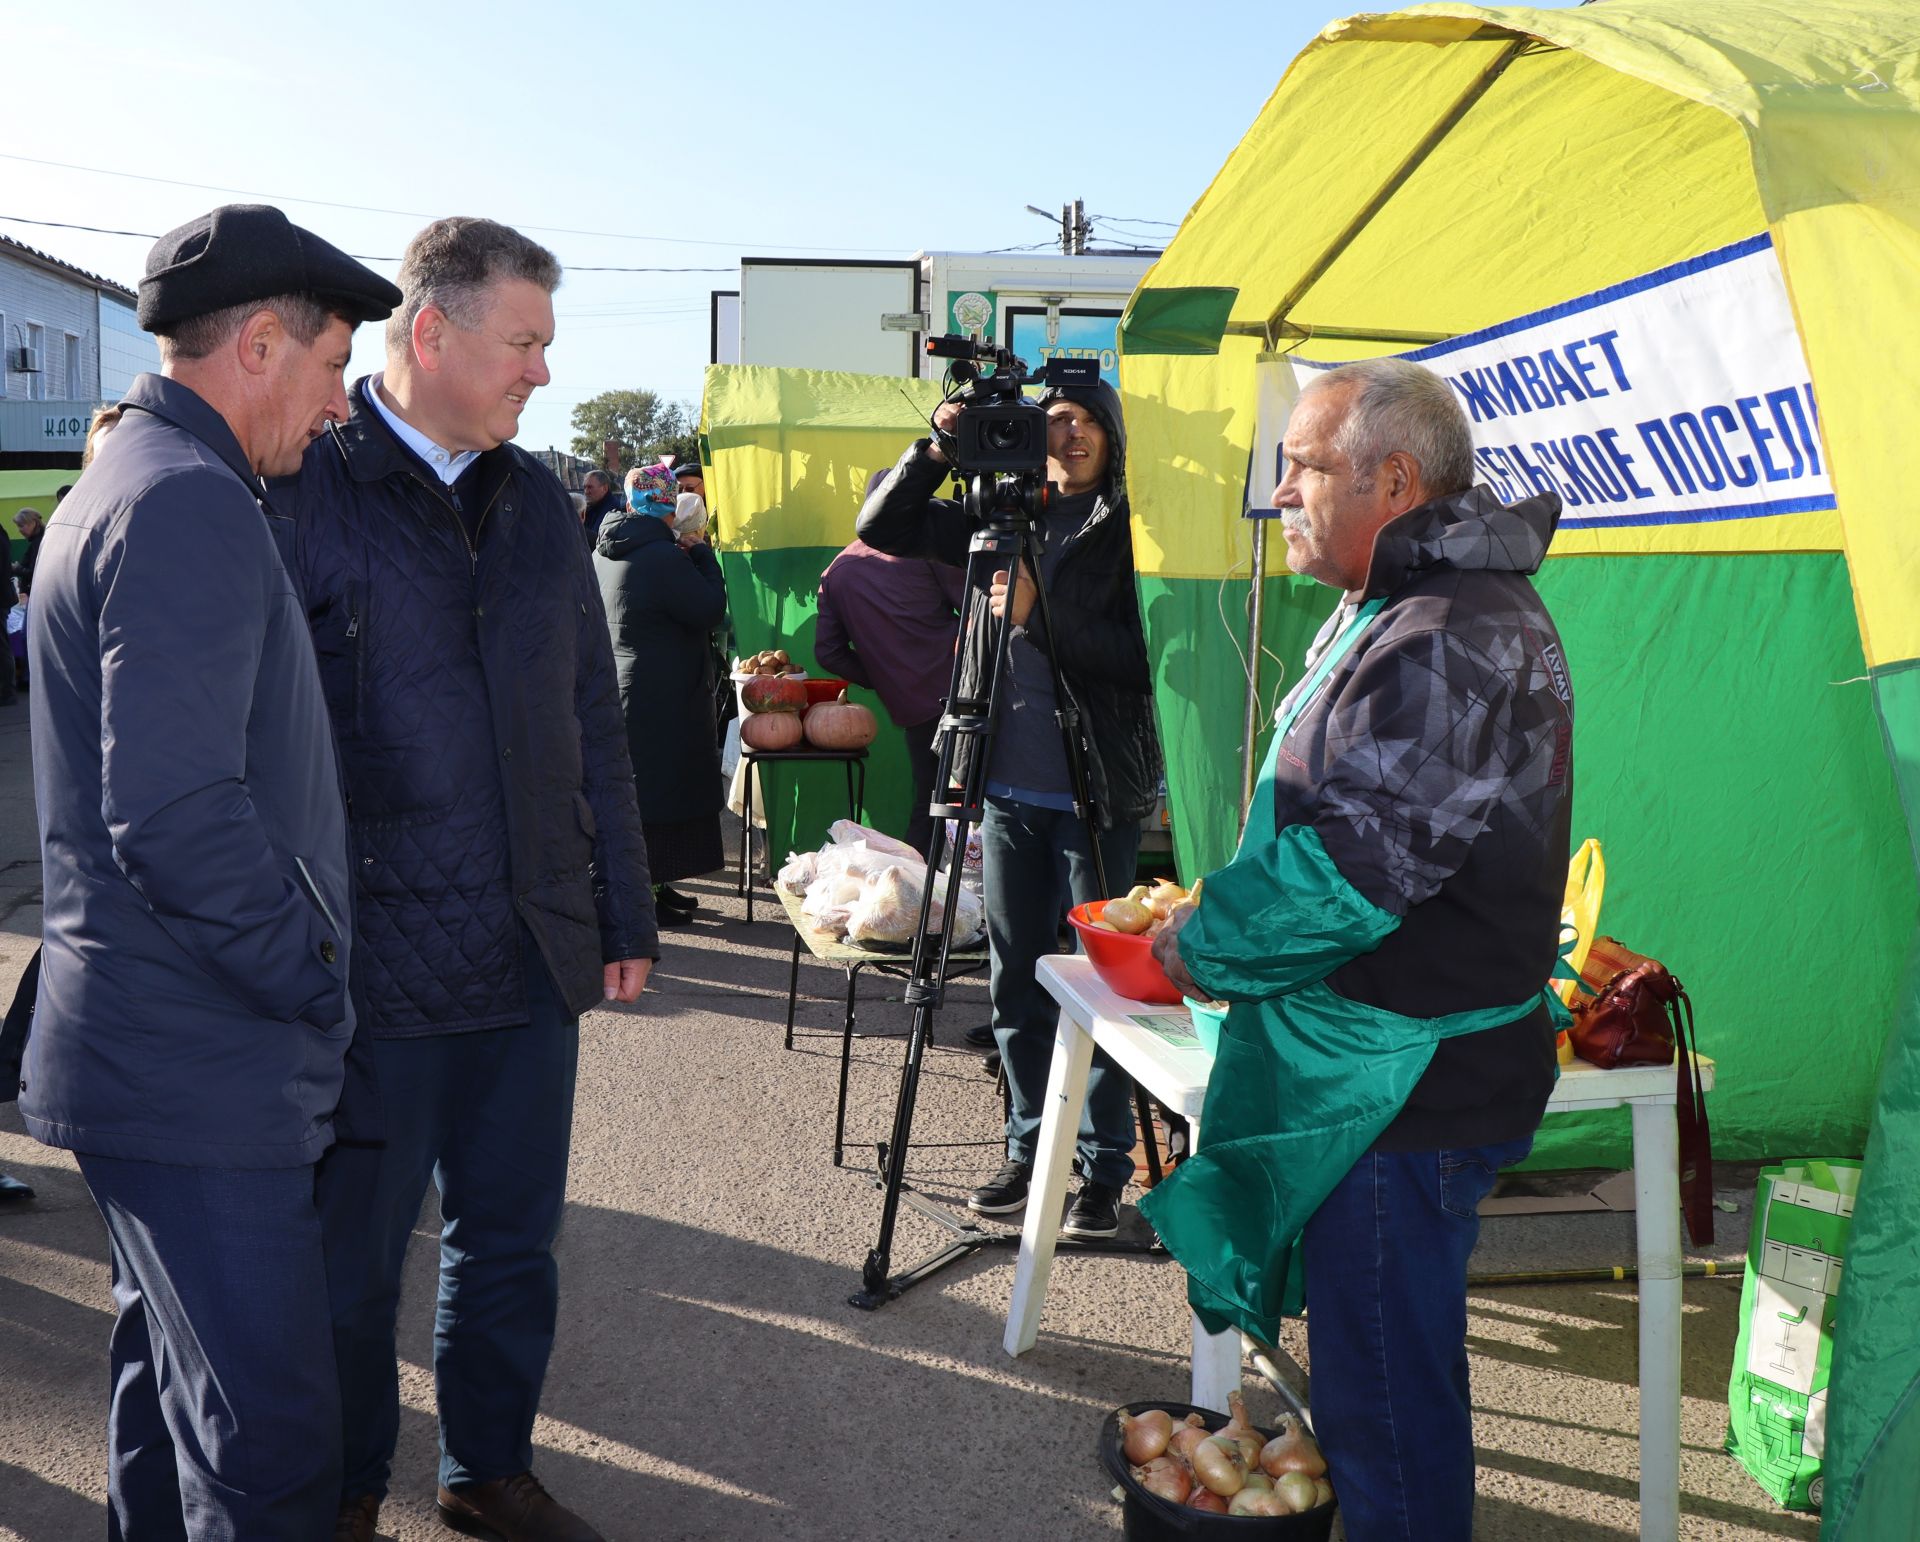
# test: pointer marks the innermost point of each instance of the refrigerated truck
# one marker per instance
(872, 318)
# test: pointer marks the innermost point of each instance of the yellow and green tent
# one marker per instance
(788, 454)
(28, 490)
(1748, 741)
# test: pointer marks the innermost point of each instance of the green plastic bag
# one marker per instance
(1777, 1395)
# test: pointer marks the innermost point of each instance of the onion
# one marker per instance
(1241, 1430)
(1205, 1499)
(1296, 1488)
(1258, 1501)
(1221, 1465)
(1322, 1492)
(1292, 1450)
(1186, 1437)
(1164, 1478)
(1144, 1436)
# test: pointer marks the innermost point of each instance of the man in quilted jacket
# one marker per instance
(502, 884)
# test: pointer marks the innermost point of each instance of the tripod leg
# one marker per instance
(969, 717)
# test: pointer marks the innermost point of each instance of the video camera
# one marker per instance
(999, 433)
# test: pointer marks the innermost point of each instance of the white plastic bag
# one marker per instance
(888, 909)
(845, 832)
(798, 875)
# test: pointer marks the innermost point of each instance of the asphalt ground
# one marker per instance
(710, 1379)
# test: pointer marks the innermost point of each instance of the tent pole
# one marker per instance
(1416, 157)
(1257, 612)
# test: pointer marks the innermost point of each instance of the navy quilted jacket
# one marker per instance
(472, 692)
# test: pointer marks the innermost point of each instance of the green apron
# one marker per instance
(1304, 1081)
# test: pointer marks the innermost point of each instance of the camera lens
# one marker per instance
(1005, 435)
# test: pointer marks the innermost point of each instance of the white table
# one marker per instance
(1092, 1015)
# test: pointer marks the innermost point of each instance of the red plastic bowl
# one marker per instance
(827, 689)
(1126, 963)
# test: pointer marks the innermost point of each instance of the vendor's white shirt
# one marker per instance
(446, 465)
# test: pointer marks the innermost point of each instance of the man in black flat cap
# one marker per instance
(191, 1044)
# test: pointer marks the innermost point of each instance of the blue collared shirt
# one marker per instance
(444, 464)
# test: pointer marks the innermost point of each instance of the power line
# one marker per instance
(360, 208)
(150, 235)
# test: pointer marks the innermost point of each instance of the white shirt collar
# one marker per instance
(444, 463)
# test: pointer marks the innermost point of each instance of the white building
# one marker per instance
(68, 342)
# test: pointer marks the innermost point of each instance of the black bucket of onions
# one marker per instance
(1148, 1517)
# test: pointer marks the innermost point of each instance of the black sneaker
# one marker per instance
(980, 1038)
(1005, 1191)
(671, 897)
(1094, 1214)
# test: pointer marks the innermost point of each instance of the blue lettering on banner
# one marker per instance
(1753, 452)
(1531, 382)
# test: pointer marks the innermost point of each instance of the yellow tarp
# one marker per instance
(1619, 138)
(792, 449)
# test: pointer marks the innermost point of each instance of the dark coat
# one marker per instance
(1095, 608)
(193, 991)
(472, 691)
(662, 605)
(29, 558)
(597, 514)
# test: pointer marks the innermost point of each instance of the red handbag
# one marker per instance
(1636, 1013)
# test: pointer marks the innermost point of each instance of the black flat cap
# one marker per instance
(251, 251)
(689, 469)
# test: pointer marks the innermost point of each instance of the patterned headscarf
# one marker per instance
(652, 490)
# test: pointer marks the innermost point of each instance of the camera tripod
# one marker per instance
(1004, 509)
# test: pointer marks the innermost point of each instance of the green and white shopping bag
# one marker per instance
(1777, 1395)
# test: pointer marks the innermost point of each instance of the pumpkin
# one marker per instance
(841, 725)
(774, 693)
(770, 731)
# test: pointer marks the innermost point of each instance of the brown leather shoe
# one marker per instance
(515, 1509)
(358, 1519)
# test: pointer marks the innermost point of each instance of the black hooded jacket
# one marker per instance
(662, 605)
(1101, 644)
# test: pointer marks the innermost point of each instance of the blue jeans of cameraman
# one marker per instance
(1034, 863)
(1386, 1273)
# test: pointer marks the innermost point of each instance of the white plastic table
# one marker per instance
(1092, 1015)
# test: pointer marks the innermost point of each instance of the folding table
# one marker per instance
(1091, 1014)
(853, 958)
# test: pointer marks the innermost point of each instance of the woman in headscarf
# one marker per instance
(664, 594)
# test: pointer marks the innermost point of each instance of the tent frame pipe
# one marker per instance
(1301, 330)
(1255, 627)
(1414, 160)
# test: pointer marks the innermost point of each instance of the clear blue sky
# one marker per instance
(682, 136)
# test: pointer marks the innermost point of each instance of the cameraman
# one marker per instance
(1037, 860)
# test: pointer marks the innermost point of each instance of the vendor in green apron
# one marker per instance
(1384, 937)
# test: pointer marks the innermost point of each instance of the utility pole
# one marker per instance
(1075, 228)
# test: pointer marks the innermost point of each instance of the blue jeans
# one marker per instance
(224, 1423)
(487, 1117)
(1386, 1273)
(1034, 863)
